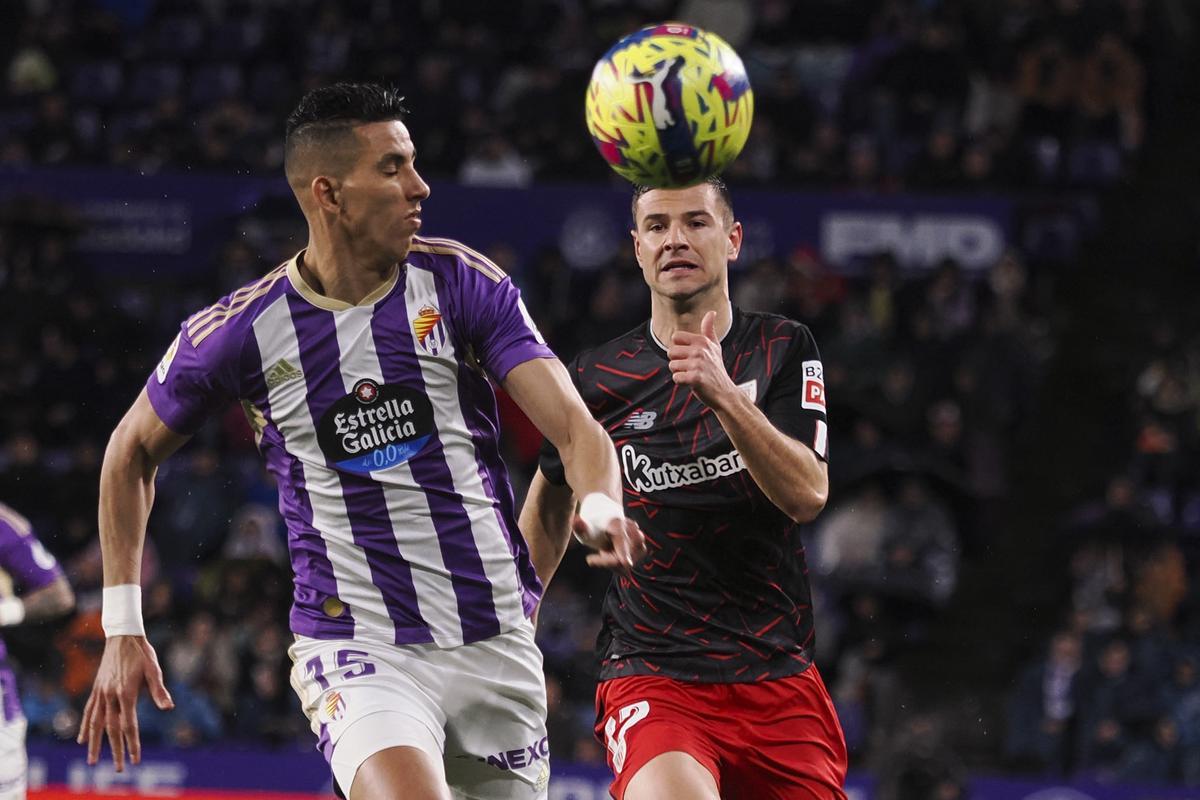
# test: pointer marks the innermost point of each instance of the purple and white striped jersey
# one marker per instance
(380, 427)
(24, 563)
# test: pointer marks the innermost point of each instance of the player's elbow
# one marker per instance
(63, 597)
(806, 503)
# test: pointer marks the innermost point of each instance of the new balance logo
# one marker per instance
(281, 373)
(641, 420)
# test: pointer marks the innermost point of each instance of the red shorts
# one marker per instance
(772, 740)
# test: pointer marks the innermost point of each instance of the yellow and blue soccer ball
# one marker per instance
(669, 105)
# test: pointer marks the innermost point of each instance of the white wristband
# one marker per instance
(12, 611)
(598, 510)
(122, 611)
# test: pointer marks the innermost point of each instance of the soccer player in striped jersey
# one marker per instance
(363, 364)
(707, 686)
(44, 593)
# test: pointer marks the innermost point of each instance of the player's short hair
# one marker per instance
(323, 120)
(718, 185)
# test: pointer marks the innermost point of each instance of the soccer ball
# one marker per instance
(669, 105)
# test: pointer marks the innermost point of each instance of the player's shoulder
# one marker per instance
(628, 346)
(775, 329)
(769, 323)
(232, 317)
(451, 260)
(13, 522)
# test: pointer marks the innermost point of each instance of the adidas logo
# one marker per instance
(281, 373)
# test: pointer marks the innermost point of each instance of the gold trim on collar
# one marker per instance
(331, 304)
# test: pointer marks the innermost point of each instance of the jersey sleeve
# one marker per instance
(192, 382)
(499, 326)
(549, 461)
(22, 556)
(795, 401)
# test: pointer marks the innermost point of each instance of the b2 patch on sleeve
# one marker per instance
(814, 386)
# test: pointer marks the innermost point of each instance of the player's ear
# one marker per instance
(735, 241)
(327, 193)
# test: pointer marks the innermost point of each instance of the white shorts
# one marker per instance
(478, 709)
(13, 765)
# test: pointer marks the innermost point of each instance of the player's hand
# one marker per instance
(695, 362)
(625, 545)
(127, 663)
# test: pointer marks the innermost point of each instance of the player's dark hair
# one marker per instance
(330, 112)
(714, 181)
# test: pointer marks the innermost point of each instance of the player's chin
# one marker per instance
(402, 242)
(682, 289)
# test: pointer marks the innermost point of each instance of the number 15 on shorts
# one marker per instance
(354, 662)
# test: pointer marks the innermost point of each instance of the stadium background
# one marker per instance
(986, 211)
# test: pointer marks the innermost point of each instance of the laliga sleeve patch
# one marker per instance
(165, 365)
(814, 386)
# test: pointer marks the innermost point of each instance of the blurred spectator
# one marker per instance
(1041, 709)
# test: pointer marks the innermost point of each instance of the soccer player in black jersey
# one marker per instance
(707, 686)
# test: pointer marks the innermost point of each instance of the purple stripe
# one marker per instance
(325, 744)
(10, 700)
(366, 507)
(478, 403)
(398, 361)
(310, 561)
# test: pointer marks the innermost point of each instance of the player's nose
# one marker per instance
(417, 188)
(675, 238)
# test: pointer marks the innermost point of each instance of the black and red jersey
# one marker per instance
(722, 595)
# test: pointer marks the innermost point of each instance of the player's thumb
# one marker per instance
(154, 681)
(708, 326)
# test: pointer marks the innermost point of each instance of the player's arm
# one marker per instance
(545, 523)
(47, 593)
(543, 390)
(789, 473)
(139, 444)
(44, 603)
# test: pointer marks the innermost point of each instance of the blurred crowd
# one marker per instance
(1115, 694)
(862, 94)
(933, 377)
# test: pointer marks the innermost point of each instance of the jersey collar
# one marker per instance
(734, 314)
(328, 303)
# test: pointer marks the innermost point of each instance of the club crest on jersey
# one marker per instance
(814, 386)
(430, 330)
(334, 707)
(375, 427)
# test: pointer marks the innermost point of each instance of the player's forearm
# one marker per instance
(789, 474)
(546, 524)
(126, 495)
(589, 459)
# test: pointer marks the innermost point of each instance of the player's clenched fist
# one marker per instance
(695, 361)
(622, 545)
(127, 663)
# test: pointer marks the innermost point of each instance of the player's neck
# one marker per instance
(666, 318)
(339, 274)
